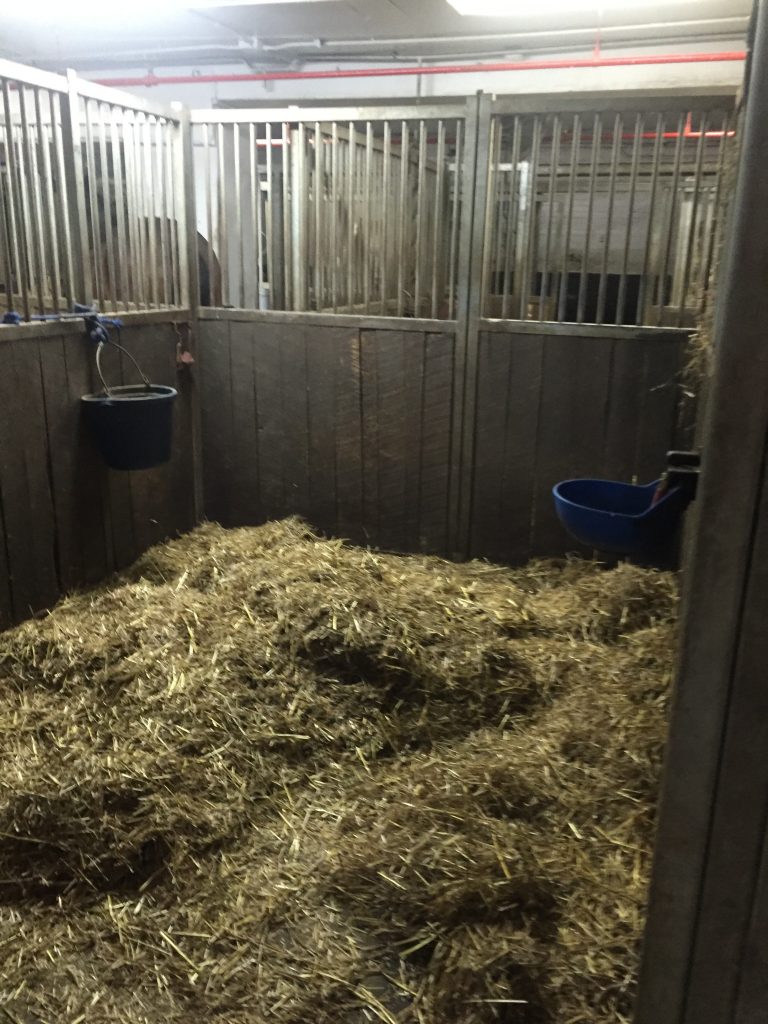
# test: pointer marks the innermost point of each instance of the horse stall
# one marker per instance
(315, 710)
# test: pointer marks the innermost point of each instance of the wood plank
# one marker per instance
(371, 464)
(77, 471)
(184, 468)
(436, 443)
(412, 431)
(488, 532)
(571, 430)
(350, 520)
(294, 418)
(323, 346)
(27, 499)
(726, 953)
(267, 343)
(215, 386)
(661, 394)
(625, 407)
(245, 508)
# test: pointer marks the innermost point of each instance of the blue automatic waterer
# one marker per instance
(640, 521)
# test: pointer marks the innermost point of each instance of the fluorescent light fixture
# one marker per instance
(104, 9)
(518, 8)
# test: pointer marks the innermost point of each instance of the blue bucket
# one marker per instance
(132, 425)
(622, 518)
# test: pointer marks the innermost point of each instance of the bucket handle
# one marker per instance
(99, 349)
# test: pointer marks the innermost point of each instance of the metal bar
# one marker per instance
(636, 145)
(185, 254)
(572, 178)
(288, 255)
(386, 206)
(169, 246)
(31, 199)
(554, 159)
(298, 216)
(73, 155)
(318, 195)
(404, 145)
(419, 260)
(492, 208)
(93, 202)
(17, 239)
(222, 235)
(596, 141)
(364, 112)
(334, 216)
(615, 160)
(499, 214)
(717, 204)
(457, 186)
(530, 220)
(512, 217)
(642, 294)
(62, 206)
(253, 152)
(107, 205)
(22, 73)
(44, 162)
(437, 227)
(207, 132)
(670, 221)
(367, 214)
(133, 191)
(350, 214)
(239, 283)
(550, 103)
(149, 171)
(689, 244)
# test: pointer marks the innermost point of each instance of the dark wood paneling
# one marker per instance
(551, 407)
(354, 429)
(65, 519)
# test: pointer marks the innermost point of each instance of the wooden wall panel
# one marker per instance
(65, 519)
(552, 406)
(353, 429)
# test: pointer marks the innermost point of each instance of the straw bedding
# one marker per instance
(267, 777)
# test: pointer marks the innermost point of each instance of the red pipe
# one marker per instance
(438, 69)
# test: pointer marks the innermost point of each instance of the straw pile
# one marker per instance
(265, 777)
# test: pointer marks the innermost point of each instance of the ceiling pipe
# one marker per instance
(646, 60)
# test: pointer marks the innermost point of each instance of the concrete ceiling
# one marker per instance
(269, 35)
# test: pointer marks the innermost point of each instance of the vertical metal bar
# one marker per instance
(93, 197)
(318, 194)
(73, 153)
(572, 178)
(18, 240)
(184, 255)
(6, 263)
(717, 204)
(239, 282)
(288, 255)
(334, 216)
(138, 189)
(151, 207)
(133, 296)
(643, 290)
(492, 211)
(512, 217)
(253, 150)
(437, 227)
(351, 214)
(615, 159)
(554, 158)
(689, 244)
(636, 145)
(596, 146)
(298, 217)
(386, 207)
(162, 130)
(529, 240)
(222, 234)
(207, 132)
(367, 241)
(420, 175)
(45, 143)
(500, 214)
(30, 186)
(457, 187)
(670, 220)
(404, 146)
(62, 207)
(107, 204)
